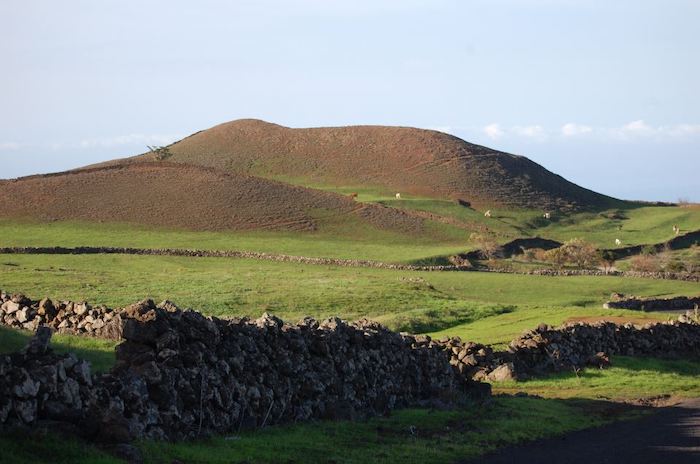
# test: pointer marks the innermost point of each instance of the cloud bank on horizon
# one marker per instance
(603, 94)
(632, 131)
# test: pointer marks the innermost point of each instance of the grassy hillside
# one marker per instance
(485, 307)
(632, 223)
(400, 159)
(351, 238)
(184, 197)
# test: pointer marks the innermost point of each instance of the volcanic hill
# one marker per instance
(182, 196)
(400, 159)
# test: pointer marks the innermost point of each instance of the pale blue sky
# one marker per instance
(606, 94)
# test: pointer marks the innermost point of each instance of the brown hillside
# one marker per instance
(182, 196)
(401, 159)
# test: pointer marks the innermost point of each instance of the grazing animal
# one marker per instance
(547, 215)
(487, 213)
(398, 196)
(618, 242)
(676, 229)
(353, 196)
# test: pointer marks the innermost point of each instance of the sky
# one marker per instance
(606, 94)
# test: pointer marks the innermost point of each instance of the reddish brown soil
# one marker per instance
(400, 159)
(180, 196)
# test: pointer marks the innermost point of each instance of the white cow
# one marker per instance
(487, 213)
(398, 196)
(618, 242)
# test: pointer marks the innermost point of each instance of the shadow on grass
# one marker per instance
(46, 445)
(406, 435)
(427, 320)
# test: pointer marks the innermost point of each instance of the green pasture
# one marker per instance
(346, 240)
(485, 307)
(480, 306)
(628, 378)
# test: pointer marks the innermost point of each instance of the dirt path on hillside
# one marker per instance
(671, 435)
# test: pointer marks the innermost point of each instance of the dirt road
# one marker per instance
(670, 436)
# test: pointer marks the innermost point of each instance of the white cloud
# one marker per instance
(9, 146)
(637, 128)
(531, 132)
(572, 130)
(493, 131)
(640, 129)
(633, 130)
(682, 130)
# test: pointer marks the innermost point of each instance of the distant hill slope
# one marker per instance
(181, 196)
(401, 159)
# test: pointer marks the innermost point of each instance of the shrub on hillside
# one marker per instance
(490, 249)
(576, 252)
(692, 263)
(529, 255)
(645, 263)
(540, 254)
(556, 256)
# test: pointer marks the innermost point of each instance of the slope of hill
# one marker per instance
(181, 196)
(401, 159)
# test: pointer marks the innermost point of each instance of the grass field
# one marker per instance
(357, 243)
(484, 307)
(628, 378)
(347, 239)
(420, 301)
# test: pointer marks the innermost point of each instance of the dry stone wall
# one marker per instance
(459, 262)
(652, 304)
(684, 276)
(77, 318)
(547, 349)
(181, 375)
(38, 383)
(225, 254)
